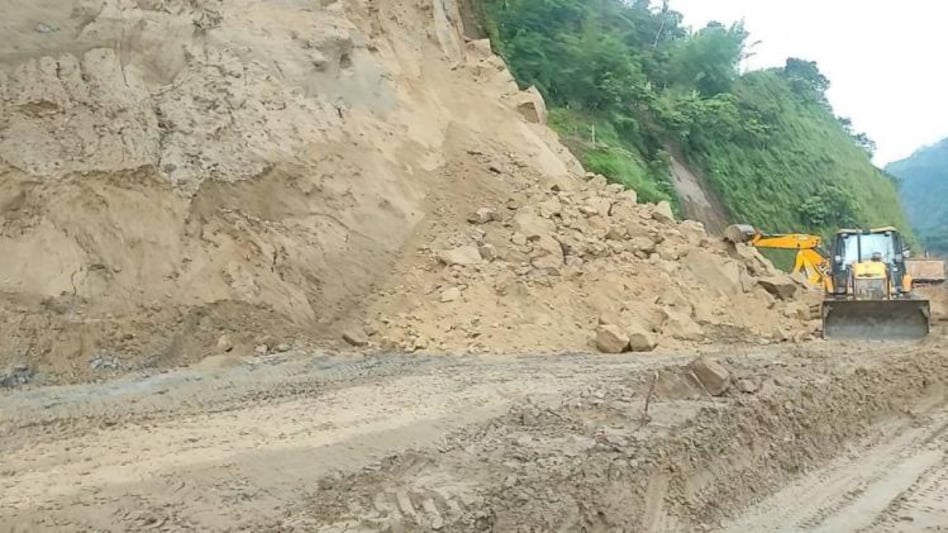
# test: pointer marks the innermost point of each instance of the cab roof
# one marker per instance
(882, 229)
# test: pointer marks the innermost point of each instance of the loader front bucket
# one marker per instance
(739, 233)
(876, 320)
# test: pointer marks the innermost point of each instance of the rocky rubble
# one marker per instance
(583, 266)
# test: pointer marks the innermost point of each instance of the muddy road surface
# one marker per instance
(302, 442)
(896, 480)
(234, 444)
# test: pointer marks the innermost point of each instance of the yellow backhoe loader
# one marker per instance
(868, 294)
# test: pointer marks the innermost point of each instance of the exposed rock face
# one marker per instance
(281, 171)
(611, 339)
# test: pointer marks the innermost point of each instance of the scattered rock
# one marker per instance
(224, 344)
(488, 252)
(712, 375)
(693, 232)
(746, 386)
(16, 376)
(780, 334)
(44, 28)
(663, 213)
(799, 311)
(640, 340)
(597, 206)
(462, 255)
(104, 362)
(643, 244)
(611, 339)
(356, 337)
(681, 326)
(588, 210)
(629, 196)
(550, 208)
(283, 347)
(450, 295)
(597, 182)
(615, 234)
(547, 254)
(747, 282)
(261, 349)
(533, 226)
(519, 239)
(530, 105)
(782, 287)
(482, 216)
(670, 251)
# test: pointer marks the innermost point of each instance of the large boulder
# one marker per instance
(530, 105)
(714, 377)
(782, 287)
(547, 254)
(681, 326)
(611, 339)
(640, 339)
(462, 255)
(355, 336)
(714, 272)
(663, 213)
(533, 226)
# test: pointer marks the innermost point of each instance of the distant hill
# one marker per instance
(923, 188)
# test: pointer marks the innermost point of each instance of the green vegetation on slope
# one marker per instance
(923, 187)
(626, 82)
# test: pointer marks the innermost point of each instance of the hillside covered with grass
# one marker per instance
(923, 187)
(628, 84)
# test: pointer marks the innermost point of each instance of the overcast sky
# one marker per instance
(887, 61)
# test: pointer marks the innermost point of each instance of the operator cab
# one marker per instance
(853, 248)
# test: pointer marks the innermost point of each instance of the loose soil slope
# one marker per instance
(174, 171)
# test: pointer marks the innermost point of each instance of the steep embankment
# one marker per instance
(630, 87)
(924, 187)
(184, 178)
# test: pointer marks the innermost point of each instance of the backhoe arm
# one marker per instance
(809, 258)
(790, 241)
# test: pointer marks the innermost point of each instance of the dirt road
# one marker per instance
(302, 442)
(894, 481)
(232, 444)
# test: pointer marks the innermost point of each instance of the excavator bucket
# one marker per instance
(876, 320)
(739, 233)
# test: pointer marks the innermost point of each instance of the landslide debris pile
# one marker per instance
(579, 266)
(280, 174)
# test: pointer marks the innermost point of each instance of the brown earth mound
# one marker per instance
(173, 171)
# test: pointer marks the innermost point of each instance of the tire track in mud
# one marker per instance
(586, 462)
(217, 449)
(864, 488)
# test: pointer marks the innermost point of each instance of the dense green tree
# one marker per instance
(627, 83)
(709, 59)
(806, 79)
